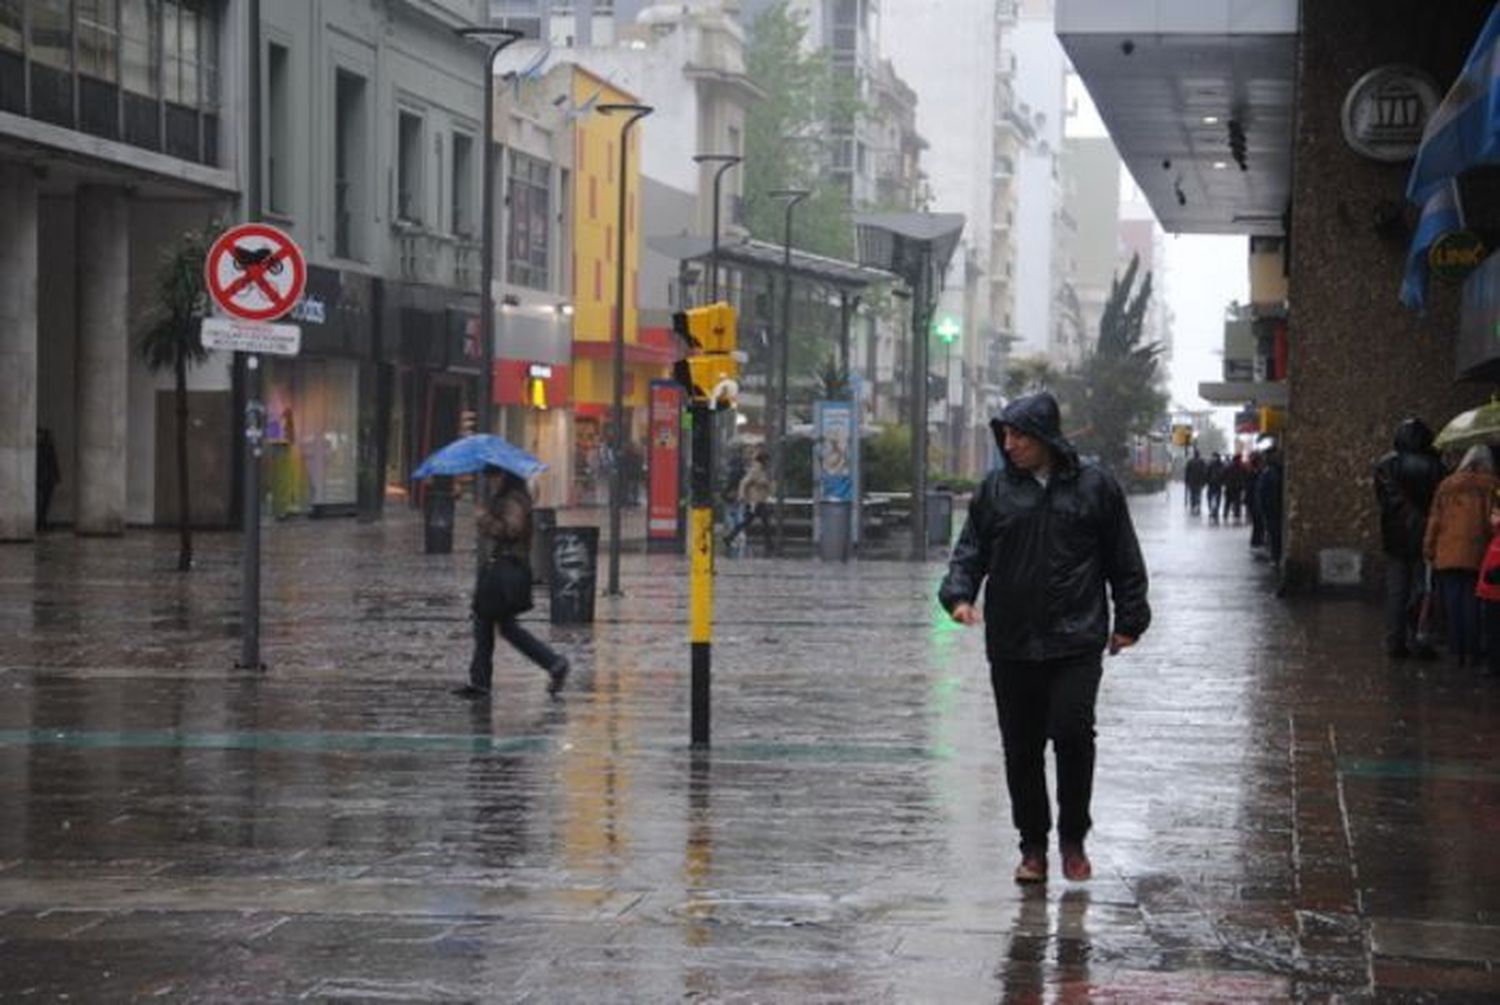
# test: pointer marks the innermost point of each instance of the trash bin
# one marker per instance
(833, 529)
(437, 517)
(543, 520)
(939, 519)
(574, 552)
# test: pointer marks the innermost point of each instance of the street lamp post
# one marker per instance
(506, 37)
(617, 446)
(725, 162)
(778, 449)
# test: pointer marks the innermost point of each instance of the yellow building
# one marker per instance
(595, 196)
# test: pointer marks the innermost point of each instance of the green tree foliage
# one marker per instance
(786, 133)
(171, 340)
(1120, 379)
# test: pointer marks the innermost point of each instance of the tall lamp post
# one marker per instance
(504, 37)
(617, 445)
(725, 162)
(783, 357)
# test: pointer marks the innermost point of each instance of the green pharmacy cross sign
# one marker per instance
(947, 329)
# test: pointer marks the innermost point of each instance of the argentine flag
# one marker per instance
(1464, 130)
(1442, 214)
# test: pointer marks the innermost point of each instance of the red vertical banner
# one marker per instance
(664, 512)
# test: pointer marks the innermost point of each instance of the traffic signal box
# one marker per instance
(711, 371)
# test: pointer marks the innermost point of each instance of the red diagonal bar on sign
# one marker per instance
(256, 274)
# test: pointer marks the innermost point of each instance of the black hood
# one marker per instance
(1413, 437)
(1036, 415)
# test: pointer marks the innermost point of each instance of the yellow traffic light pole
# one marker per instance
(709, 374)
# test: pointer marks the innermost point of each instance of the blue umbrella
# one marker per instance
(475, 453)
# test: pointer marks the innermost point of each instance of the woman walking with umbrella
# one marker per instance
(502, 591)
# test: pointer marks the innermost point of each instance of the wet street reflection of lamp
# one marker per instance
(725, 162)
(499, 39)
(783, 356)
(617, 447)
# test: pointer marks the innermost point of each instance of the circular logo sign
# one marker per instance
(1386, 110)
(1454, 255)
(255, 272)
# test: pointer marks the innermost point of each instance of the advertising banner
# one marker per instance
(664, 513)
(836, 457)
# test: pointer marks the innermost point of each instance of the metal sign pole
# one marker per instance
(255, 414)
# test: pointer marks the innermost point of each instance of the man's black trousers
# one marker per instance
(1038, 701)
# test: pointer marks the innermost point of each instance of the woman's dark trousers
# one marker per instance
(1461, 608)
(482, 666)
(1035, 702)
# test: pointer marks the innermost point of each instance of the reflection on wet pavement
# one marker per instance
(1282, 813)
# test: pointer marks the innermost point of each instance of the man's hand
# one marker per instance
(1118, 642)
(966, 614)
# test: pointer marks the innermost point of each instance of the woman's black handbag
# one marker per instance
(504, 588)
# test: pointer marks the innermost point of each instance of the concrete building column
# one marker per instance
(18, 265)
(103, 358)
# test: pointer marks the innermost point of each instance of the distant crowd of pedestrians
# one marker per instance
(1239, 488)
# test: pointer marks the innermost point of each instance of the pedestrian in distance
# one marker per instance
(502, 589)
(48, 475)
(1051, 542)
(1458, 533)
(1194, 476)
(1213, 478)
(1487, 590)
(1406, 479)
(754, 496)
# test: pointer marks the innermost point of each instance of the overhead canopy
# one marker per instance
(764, 256)
(1172, 80)
(891, 241)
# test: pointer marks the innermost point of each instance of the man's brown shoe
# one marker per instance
(1033, 868)
(1076, 865)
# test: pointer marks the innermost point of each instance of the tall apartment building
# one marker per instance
(1091, 169)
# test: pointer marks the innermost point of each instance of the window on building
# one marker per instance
(349, 163)
(277, 117)
(409, 167)
(98, 38)
(463, 185)
(529, 196)
(140, 50)
(52, 33)
(10, 24)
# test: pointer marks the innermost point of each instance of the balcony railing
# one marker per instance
(423, 256)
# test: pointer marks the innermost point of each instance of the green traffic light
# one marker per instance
(948, 329)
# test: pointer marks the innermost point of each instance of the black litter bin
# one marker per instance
(437, 517)
(939, 519)
(543, 520)
(575, 571)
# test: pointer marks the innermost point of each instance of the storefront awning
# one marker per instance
(1186, 91)
(1244, 392)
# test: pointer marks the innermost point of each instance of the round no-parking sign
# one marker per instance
(255, 272)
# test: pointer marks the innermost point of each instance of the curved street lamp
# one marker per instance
(505, 37)
(725, 162)
(778, 455)
(635, 113)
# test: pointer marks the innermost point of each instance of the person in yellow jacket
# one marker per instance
(1458, 532)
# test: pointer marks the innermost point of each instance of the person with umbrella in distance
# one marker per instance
(502, 588)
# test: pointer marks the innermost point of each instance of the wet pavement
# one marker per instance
(1281, 812)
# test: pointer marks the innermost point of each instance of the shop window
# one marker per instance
(529, 195)
(278, 129)
(409, 167)
(463, 185)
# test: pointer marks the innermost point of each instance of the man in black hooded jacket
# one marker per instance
(1405, 481)
(1045, 535)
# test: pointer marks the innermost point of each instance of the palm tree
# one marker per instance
(172, 340)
